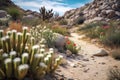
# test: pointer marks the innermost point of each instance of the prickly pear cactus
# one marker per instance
(20, 57)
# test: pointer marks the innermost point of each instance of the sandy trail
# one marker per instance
(86, 66)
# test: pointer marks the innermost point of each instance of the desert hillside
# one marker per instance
(104, 10)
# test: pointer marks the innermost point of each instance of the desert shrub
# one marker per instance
(31, 22)
(15, 13)
(21, 58)
(79, 20)
(4, 22)
(15, 26)
(63, 22)
(95, 32)
(111, 37)
(70, 45)
(60, 30)
(90, 26)
(108, 33)
(49, 37)
(116, 53)
(114, 74)
(40, 32)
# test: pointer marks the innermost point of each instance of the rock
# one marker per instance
(86, 59)
(59, 41)
(111, 13)
(94, 41)
(103, 63)
(83, 65)
(29, 17)
(3, 14)
(97, 10)
(73, 65)
(86, 70)
(101, 53)
(68, 53)
(70, 79)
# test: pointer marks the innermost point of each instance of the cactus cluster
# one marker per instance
(21, 58)
(44, 33)
(45, 14)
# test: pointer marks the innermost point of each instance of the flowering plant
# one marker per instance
(70, 45)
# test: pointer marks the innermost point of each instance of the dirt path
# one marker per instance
(85, 66)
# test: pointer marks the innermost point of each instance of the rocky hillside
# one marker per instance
(104, 10)
(8, 4)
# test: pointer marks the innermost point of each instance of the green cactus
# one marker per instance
(21, 58)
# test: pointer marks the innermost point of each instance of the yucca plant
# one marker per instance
(21, 58)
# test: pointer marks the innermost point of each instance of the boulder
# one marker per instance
(29, 17)
(101, 53)
(59, 41)
(3, 14)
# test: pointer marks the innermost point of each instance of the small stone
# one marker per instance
(86, 70)
(73, 65)
(83, 65)
(115, 66)
(103, 63)
(86, 59)
(100, 53)
(70, 79)
(93, 41)
(58, 70)
(96, 73)
(61, 79)
(68, 53)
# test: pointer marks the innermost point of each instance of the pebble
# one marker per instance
(73, 65)
(70, 79)
(86, 70)
(86, 59)
(102, 63)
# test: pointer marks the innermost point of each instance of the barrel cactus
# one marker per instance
(21, 58)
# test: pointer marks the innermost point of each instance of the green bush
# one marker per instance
(79, 20)
(111, 37)
(31, 22)
(21, 58)
(15, 13)
(40, 32)
(60, 30)
(63, 22)
(49, 37)
(116, 53)
(109, 34)
(95, 32)
(90, 26)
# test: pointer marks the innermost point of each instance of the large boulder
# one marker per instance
(3, 14)
(59, 41)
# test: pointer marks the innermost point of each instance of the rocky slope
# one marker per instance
(97, 10)
(8, 4)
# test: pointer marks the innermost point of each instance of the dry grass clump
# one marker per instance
(15, 25)
(116, 53)
(114, 74)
